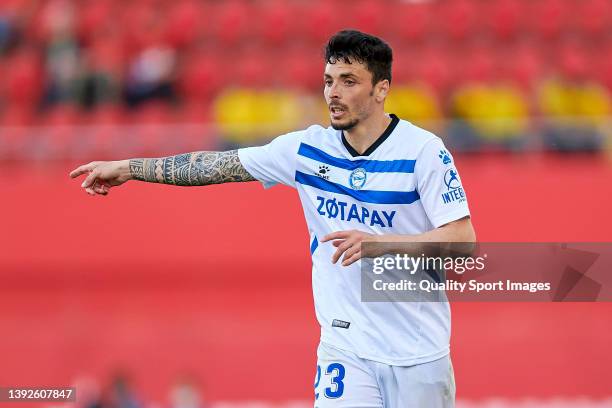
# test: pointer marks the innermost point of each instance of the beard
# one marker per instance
(345, 126)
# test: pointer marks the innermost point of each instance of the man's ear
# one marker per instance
(381, 90)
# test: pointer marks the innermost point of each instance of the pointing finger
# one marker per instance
(335, 235)
(82, 169)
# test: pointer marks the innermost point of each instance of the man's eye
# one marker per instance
(349, 82)
(328, 83)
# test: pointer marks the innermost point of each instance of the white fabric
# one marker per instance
(344, 380)
(393, 200)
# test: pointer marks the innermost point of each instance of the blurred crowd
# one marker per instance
(120, 392)
(511, 74)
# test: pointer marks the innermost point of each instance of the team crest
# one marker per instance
(357, 179)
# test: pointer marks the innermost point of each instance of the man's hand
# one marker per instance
(349, 244)
(101, 176)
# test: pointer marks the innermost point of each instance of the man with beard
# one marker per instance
(369, 177)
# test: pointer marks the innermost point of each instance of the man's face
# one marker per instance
(349, 94)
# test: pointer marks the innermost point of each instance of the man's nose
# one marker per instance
(334, 92)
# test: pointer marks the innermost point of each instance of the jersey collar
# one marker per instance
(378, 142)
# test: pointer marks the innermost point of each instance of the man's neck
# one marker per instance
(365, 133)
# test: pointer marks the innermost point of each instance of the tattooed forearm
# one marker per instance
(191, 169)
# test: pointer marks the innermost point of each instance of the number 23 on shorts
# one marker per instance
(336, 389)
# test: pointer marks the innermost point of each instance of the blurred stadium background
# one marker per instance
(154, 295)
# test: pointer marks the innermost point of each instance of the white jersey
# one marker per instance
(405, 183)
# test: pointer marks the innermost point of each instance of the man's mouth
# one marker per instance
(336, 111)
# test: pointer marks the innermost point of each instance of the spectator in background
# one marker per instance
(118, 394)
(575, 105)
(62, 59)
(99, 82)
(151, 75)
(9, 33)
(186, 394)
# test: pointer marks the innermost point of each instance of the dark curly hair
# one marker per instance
(351, 45)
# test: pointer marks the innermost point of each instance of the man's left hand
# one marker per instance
(349, 244)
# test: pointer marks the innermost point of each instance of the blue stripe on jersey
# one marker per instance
(314, 245)
(366, 196)
(372, 166)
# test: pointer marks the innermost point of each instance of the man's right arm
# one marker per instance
(191, 169)
(188, 169)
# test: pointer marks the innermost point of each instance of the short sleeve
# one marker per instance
(439, 185)
(274, 162)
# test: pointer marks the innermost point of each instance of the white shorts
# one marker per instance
(344, 380)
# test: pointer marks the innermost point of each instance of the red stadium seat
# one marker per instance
(594, 17)
(603, 66)
(404, 67)
(94, 17)
(548, 18)
(606, 77)
(436, 69)
(253, 71)
(106, 54)
(574, 62)
(412, 20)
(13, 6)
(232, 22)
(276, 22)
(141, 26)
(523, 65)
(23, 81)
(302, 71)
(322, 19)
(458, 19)
(200, 78)
(186, 21)
(504, 18)
(369, 16)
(478, 64)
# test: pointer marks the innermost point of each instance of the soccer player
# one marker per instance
(369, 177)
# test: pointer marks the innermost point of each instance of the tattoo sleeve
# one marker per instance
(191, 169)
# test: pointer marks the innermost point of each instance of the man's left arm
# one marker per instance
(348, 243)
